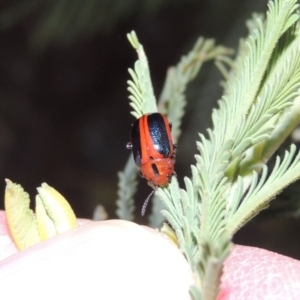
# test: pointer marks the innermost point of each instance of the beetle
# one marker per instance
(153, 149)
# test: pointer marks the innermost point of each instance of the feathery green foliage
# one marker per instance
(140, 87)
(262, 190)
(172, 102)
(230, 182)
(127, 188)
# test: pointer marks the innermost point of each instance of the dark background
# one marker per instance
(64, 116)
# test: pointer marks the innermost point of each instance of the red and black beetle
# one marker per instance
(153, 150)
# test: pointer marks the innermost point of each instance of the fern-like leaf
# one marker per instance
(262, 191)
(140, 87)
(127, 188)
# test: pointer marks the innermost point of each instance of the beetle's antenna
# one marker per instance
(146, 203)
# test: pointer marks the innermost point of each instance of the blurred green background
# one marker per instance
(64, 116)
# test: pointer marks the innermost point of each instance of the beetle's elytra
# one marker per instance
(153, 150)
